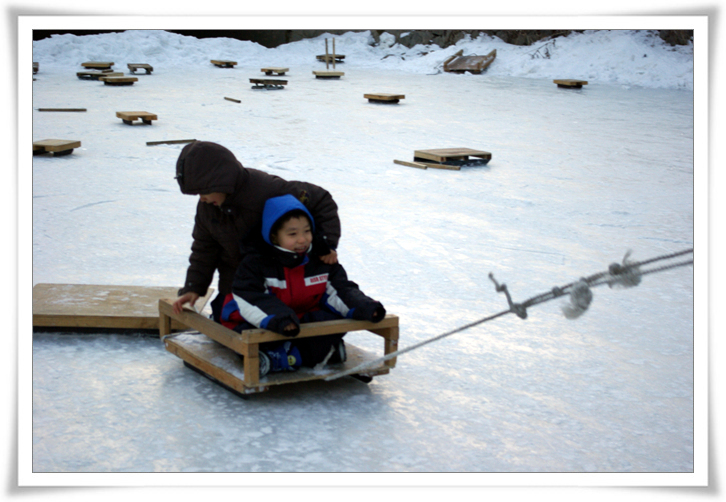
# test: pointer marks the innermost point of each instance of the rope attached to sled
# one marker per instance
(618, 275)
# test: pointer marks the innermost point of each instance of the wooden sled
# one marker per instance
(57, 147)
(223, 63)
(99, 306)
(473, 64)
(129, 117)
(328, 74)
(97, 74)
(98, 65)
(330, 58)
(570, 83)
(270, 70)
(114, 80)
(447, 158)
(215, 350)
(140, 66)
(384, 98)
(268, 83)
(36, 67)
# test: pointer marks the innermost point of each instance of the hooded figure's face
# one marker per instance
(214, 198)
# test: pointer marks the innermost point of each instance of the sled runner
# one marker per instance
(447, 158)
(472, 64)
(98, 65)
(275, 70)
(268, 83)
(215, 350)
(57, 147)
(140, 66)
(223, 63)
(98, 306)
(97, 74)
(384, 98)
(570, 83)
(129, 117)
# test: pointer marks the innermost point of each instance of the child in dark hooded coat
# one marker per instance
(281, 284)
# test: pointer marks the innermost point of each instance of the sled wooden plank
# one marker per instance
(170, 142)
(570, 83)
(384, 98)
(62, 109)
(102, 306)
(247, 342)
(140, 66)
(274, 70)
(471, 64)
(223, 63)
(129, 117)
(419, 165)
(437, 165)
(114, 80)
(97, 64)
(444, 154)
(225, 365)
(232, 99)
(55, 146)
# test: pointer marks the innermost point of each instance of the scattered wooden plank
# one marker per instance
(471, 64)
(57, 147)
(108, 80)
(97, 64)
(384, 98)
(328, 74)
(170, 142)
(102, 306)
(96, 74)
(268, 83)
(232, 99)
(129, 117)
(140, 66)
(411, 164)
(223, 63)
(270, 70)
(570, 83)
(62, 109)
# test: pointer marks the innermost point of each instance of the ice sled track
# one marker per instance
(215, 350)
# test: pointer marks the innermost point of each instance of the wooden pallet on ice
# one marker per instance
(223, 63)
(330, 58)
(36, 67)
(97, 74)
(328, 74)
(570, 83)
(447, 158)
(98, 65)
(140, 66)
(269, 70)
(268, 83)
(473, 64)
(129, 117)
(102, 306)
(57, 147)
(113, 80)
(384, 98)
(215, 351)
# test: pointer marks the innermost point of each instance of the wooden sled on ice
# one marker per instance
(214, 350)
(102, 306)
(570, 83)
(384, 98)
(140, 66)
(129, 117)
(447, 158)
(473, 64)
(268, 83)
(97, 74)
(223, 63)
(98, 65)
(57, 147)
(269, 70)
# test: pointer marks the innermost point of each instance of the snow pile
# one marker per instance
(624, 57)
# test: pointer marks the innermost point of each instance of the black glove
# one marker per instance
(279, 322)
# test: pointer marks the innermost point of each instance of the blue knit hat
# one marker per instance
(276, 208)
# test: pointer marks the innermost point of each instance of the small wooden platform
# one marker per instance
(215, 350)
(36, 67)
(57, 147)
(570, 83)
(97, 74)
(329, 58)
(98, 65)
(472, 64)
(447, 158)
(98, 306)
(384, 98)
(113, 80)
(222, 63)
(268, 83)
(140, 66)
(270, 70)
(328, 74)
(129, 117)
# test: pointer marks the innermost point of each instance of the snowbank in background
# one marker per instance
(621, 57)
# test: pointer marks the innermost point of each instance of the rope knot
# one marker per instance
(626, 275)
(580, 299)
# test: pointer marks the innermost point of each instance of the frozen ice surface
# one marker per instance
(577, 178)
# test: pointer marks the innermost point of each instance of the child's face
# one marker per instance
(216, 198)
(295, 235)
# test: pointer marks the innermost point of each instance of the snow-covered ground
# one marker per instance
(577, 178)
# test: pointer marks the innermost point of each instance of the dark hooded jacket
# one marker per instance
(204, 167)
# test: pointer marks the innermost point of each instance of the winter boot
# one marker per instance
(286, 357)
